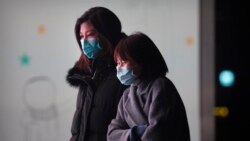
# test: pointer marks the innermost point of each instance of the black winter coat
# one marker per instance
(97, 101)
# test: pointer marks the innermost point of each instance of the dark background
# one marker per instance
(232, 53)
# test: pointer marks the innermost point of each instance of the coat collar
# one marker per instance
(99, 68)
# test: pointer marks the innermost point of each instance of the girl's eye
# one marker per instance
(119, 63)
(123, 63)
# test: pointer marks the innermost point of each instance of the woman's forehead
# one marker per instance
(86, 27)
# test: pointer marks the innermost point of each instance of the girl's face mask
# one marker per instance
(125, 75)
(90, 47)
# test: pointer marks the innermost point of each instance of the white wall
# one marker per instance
(36, 103)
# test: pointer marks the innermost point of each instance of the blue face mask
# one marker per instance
(90, 47)
(125, 75)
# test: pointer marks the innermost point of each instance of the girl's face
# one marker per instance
(128, 64)
(87, 31)
(121, 63)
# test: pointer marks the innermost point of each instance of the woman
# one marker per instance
(151, 109)
(97, 32)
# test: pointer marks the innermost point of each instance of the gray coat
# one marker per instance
(157, 106)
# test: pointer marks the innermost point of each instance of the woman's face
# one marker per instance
(87, 31)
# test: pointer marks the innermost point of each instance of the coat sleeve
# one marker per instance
(118, 130)
(158, 113)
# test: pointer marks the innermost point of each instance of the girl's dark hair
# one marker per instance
(108, 27)
(138, 48)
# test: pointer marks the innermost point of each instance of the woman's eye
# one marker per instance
(92, 34)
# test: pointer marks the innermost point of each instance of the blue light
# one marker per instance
(226, 78)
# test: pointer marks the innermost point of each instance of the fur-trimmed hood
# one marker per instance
(100, 68)
(74, 76)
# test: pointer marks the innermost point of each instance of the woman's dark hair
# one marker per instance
(108, 27)
(141, 50)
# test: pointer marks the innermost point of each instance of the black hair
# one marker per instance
(108, 27)
(139, 49)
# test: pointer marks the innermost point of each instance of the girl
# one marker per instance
(151, 109)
